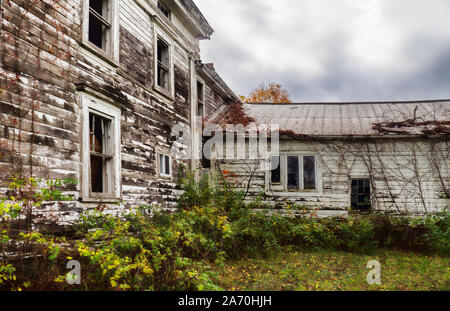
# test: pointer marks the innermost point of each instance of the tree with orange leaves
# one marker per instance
(271, 93)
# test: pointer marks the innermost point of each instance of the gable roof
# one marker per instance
(349, 119)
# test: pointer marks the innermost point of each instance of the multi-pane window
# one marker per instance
(275, 176)
(200, 99)
(101, 155)
(360, 196)
(164, 10)
(163, 62)
(100, 23)
(164, 165)
(293, 172)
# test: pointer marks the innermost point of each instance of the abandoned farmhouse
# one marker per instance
(92, 90)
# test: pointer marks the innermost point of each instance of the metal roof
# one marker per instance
(344, 119)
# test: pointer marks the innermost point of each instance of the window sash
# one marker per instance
(100, 18)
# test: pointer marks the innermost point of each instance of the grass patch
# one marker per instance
(334, 271)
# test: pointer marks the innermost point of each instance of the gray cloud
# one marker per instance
(328, 50)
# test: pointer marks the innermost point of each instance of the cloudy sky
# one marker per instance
(332, 50)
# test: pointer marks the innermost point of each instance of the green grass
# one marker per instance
(334, 271)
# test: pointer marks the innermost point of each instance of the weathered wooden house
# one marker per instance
(334, 157)
(91, 90)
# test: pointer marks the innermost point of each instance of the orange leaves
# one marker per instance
(272, 93)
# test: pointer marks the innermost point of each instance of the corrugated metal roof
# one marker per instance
(343, 119)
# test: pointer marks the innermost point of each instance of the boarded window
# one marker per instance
(200, 99)
(275, 170)
(360, 197)
(293, 172)
(163, 64)
(164, 165)
(99, 23)
(164, 10)
(309, 173)
(100, 154)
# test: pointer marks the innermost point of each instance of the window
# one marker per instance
(163, 62)
(100, 149)
(99, 23)
(275, 176)
(360, 196)
(309, 173)
(100, 27)
(164, 10)
(200, 99)
(100, 153)
(164, 165)
(293, 172)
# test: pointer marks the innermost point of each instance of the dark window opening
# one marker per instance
(200, 99)
(163, 64)
(100, 156)
(293, 172)
(275, 170)
(99, 24)
(309, 173)
(360, 197)
(164, 10)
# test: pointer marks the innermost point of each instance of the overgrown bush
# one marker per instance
(148, 249)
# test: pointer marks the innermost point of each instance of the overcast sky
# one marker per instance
(332, 50)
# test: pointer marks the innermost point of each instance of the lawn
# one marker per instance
(334, 271)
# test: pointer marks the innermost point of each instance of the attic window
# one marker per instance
(163, 64)
(99, 23)
(164, 10)
(360, 197)
(200, 99)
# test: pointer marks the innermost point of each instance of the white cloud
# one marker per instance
(324, 49)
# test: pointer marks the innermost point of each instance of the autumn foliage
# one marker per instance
(271, 93)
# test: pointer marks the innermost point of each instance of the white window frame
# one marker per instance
(111, 54)
(159, 155)
(103, 108)
(283, 186)
(160, 35)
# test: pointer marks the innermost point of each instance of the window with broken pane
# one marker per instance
(100, 154)
(163, 64)
(360, 196)
(99, 23)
